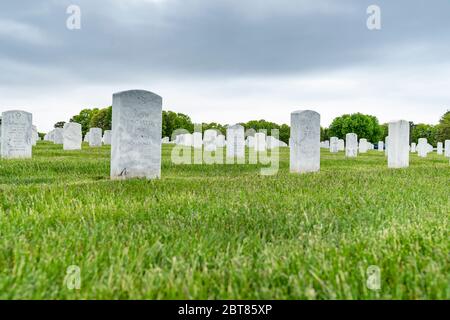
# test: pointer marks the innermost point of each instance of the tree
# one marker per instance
(59, 124)
(172, 121)
(422, 130)
(443, 128)
(365, 126)
(84, 118)
(102, 119)
(324, 134)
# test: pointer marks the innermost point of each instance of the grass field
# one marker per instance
(223, 231)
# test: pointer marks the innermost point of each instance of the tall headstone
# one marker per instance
(136, 135)
(260, 142)
(440, 148)
(107, 135)
(334, 144)
(351, 145)
(447, 148)
(398, 154)
(72, 136)
(305, 147)
(95, 137)
(236, 141)
(363, 145)
(16, 134)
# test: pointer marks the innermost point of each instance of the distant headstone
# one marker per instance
(423, 148)
(107, 136)
(351, 146)
(34, 136)
(58, 136)
(16, 134)
(72, 136)
(86, 137)
(95, 137)
(250, 142)
(413, 147)
(305, 147)
(440, 148)
(136, 135)
(334, 144)
(209, 140)
(341, 145)
(380, 146)
(235, 141)
(197, 140)
(447, 148)
(398, 154)
(363, 145)
(260, 142)
(220, 141)
(165, 140)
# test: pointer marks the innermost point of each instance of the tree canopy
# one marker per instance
(365, 126)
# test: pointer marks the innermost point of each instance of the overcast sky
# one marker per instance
(228, 60)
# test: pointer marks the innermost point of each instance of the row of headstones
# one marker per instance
(70, 136)
(136, 137)
(351, 146)
(212, 140)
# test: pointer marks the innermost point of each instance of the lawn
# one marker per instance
(223, 231)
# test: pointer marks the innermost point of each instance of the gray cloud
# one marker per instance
(146, 41)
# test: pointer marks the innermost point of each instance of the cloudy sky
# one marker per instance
(228, 60)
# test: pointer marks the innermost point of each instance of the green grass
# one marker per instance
(223, 231)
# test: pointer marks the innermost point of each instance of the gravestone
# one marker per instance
(197, 140)
(423, 148)
(334, 144)
(136, 135)
(86, 137)
(107, 135)
(209, 140)
(16, 134)
(351, 146)
(220, 141)
(386, 146)
(72, 136)
(398, 154)
(95, 137)
(305, 147)
(235, 141)
(250, 142)
(380, 146)
(447, 148)
(341, 145)
(58, 136)
(165, 140)
(34, 136)
(413, 147)
(260, 142)
(440, 148)
(363, 145)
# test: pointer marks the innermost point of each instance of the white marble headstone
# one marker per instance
(136, 135)
(236, 141)
(107, 135)
(351, 146)
(398, 154)
(16, 134)
(305, 146)
(72, 136)
(363, 145)
(95, 137)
